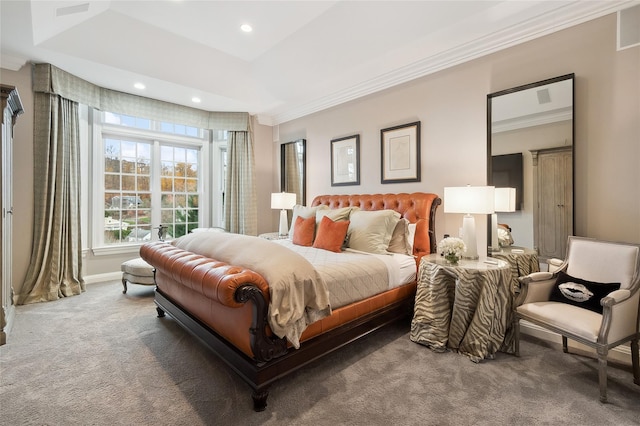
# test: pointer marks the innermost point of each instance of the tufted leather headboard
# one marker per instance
(418, 207)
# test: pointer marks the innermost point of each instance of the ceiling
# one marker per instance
(301, 57)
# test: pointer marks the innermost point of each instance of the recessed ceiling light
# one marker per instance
(139, 86)
(196, 100)
(246, 28)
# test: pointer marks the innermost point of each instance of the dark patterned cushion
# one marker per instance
(579, 292)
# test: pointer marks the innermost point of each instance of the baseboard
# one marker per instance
(100, 278)
(620, 354)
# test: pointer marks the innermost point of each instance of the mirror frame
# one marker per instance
(304, 170)
(491, 96)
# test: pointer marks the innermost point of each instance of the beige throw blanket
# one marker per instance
(299, 295)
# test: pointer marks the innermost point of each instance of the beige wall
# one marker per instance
(451, 106)
(266, 176)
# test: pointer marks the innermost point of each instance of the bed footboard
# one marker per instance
(230, 300)
(264, 347)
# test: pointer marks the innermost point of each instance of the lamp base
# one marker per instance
(283, 230)
(469, 237)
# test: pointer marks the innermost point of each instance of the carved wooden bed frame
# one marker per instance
(272, 357)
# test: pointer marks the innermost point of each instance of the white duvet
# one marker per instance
(353, 275)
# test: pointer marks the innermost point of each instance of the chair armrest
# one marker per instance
(535, 276)
(619, 315)
(535, 287)
(555, 264)
(615, 297)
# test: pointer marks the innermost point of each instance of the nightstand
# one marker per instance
(272, 236)
(466, 307)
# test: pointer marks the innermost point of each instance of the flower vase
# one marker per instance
(452, 259)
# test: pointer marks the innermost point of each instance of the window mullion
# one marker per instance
(156, 190)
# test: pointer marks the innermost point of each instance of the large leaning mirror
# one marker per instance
(530, 147)
(292, 169)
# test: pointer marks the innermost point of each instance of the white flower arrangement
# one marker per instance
(452, 246)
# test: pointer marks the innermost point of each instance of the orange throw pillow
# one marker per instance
(331, 234)
(303, 231)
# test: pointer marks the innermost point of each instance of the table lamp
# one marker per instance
(505, 202)
(283, 201)
(469, 200)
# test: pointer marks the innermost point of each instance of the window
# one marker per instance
(149, 173)
(179, 189)
(127, 190)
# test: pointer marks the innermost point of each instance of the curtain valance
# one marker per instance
(48, 78)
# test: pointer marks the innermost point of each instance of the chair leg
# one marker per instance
(635, 361)
(602, 373)
(565, 345)
(124, 284)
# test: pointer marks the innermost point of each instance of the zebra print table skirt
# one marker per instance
(465, 307)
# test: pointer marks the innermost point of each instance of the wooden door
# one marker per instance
(553, 195)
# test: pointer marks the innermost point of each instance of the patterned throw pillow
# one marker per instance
(579, 292)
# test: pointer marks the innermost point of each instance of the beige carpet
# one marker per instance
(104, 358)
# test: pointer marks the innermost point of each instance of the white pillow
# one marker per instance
(304, 212)
(400, 238)
(335, 215)
(371, 231)
(412, 236)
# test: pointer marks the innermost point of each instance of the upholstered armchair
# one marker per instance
(592, 298)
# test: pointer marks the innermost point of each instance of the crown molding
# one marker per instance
(12, 63)
(564, 17)
(532, 120)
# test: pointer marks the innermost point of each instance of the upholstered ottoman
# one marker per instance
(136, 271)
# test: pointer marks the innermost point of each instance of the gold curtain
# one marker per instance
(240, 205)
(55, 269)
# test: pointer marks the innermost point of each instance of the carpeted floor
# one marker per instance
(104, 358)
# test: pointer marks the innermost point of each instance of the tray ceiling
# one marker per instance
(302, 56)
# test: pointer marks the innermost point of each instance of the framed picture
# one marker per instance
(345, 161)
(400, 153)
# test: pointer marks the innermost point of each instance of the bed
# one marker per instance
(224, 289)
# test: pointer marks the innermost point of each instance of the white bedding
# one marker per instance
(353, 275)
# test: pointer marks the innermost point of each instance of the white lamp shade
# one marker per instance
(469, 199)
(505, 200)
(283, 200)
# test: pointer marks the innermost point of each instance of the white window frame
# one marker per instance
(156, 138)
(218, 182)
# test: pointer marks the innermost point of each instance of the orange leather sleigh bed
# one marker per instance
(227, 306)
